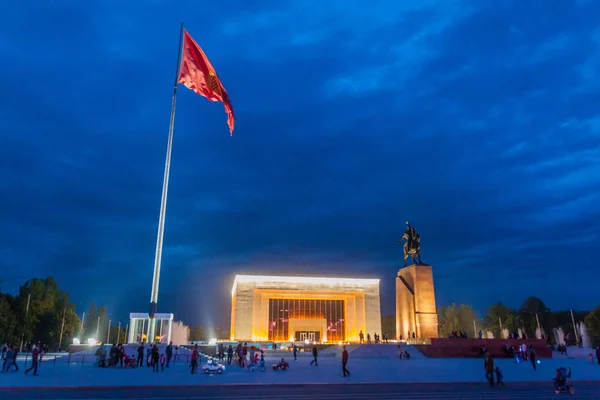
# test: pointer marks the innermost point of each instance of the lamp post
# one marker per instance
(574, 327)
(119, 333)
(98, 328)
(26, 315)
(62, 327)
(108, 333)
(501, 330)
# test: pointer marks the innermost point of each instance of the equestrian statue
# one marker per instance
(412, 244)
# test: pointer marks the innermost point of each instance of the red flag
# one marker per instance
(197, 73)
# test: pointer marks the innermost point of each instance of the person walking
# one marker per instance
(8, 359)
(140, 355)
(169, 353)
(295, 352)
(121, 354)
(221, 352)
(195, 358)
(315, 353)
(14, 358)
(532, 357)
(34, 360)
(229, 354)
(345, 361)
(155, 358)
(488, 365)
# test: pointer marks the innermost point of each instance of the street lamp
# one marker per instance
(108, 334)
(98, 328)
(119, 333)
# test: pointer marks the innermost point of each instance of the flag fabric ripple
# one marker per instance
(197, 73)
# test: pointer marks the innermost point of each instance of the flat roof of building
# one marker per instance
(303, 279)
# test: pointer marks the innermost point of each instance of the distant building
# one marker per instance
(284, 308)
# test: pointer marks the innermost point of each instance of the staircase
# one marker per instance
(380, 351)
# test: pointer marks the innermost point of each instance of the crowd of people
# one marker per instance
(376, 338)
(10, 353)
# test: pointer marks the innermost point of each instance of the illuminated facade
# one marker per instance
(415, 302)
(278, 308)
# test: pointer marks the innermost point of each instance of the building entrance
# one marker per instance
(311, 336)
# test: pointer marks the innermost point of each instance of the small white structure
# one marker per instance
(138, 327)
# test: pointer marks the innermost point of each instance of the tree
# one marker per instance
(388, 326)
(117, 335)
(456, 318)
(218, 333)
(198, 333)
(91, 319)
(532, 310)
(592, 321)
(8, 323)
(39, 310)
(495, 314)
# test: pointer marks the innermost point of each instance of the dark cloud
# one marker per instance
(477, 122)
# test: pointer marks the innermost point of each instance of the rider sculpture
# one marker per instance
(412, 245)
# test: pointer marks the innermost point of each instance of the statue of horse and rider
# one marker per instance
(412, 245)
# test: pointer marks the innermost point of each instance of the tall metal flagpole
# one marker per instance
(163, 203)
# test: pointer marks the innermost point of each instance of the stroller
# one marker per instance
(560, 384)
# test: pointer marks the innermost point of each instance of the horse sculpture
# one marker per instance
(412, 245)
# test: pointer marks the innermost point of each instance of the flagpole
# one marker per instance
(163, 203)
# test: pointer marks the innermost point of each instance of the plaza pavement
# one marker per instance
(529, 391)
(368, 364)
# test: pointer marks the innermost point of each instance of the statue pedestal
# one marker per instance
(415, 302)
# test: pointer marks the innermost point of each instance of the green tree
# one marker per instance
(592, 321)
(456, 318)
(8, 322)
(217, 333)
(388, 326)
(96, 321)
(39, 309)
(198, 333)
(90, 321)
(496, 313)
(117, 335)
(532, 310)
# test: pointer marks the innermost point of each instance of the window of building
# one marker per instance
(281, 310)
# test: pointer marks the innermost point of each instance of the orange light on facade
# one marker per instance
(297, 279)
(282, 308)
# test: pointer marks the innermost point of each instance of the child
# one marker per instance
(591, 358)
(163, 360)
(499, 376)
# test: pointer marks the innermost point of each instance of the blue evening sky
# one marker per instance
(478, 121)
